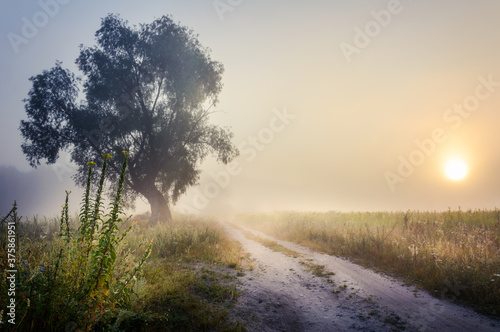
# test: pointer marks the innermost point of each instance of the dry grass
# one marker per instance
(315, 269)
(455, 254)
(188, 283)
(273, 245)
(190, 279)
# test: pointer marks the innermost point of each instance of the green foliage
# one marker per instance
(64, 230)
(76, 283)
(146, 88)
(177, 276)
(190, 277)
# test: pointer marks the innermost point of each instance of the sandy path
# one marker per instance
(281, 295)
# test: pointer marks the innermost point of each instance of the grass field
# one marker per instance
(101, 271)
(455, 255)
(188, 282)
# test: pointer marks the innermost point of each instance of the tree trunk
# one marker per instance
(160, 212)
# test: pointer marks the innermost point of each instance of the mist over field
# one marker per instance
(36, 193)
(334, 105)
(232, 165)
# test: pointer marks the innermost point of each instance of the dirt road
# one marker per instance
(281, 294)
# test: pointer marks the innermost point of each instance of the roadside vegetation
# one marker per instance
(101, 271)
(455, 255)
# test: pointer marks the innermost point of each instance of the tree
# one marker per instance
(147, 90)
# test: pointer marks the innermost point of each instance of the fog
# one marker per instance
(334, 105)
(36, 193)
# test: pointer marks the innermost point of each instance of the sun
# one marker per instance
(456, 169)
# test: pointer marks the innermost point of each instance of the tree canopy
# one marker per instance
(148, 90)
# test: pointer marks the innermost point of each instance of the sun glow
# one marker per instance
(456, 169)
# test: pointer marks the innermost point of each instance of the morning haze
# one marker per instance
(295, 165)
(334, 105)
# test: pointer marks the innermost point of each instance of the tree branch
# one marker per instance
(157, 95)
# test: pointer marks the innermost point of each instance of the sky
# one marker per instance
(335, 105)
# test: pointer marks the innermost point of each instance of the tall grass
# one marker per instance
(100, 272)
(453, 254)
(71, 278)
(191, 276)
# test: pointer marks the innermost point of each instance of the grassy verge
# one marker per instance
(188, 282)
(100, 272)
(190, 279)
(455, 255)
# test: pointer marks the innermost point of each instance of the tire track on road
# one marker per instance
(282, 295)
(369, 301)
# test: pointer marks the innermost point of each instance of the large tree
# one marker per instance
(147, 90)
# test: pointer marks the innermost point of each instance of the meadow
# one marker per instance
(455, 255)
(103, 271)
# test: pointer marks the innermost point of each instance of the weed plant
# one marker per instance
(75, 281)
